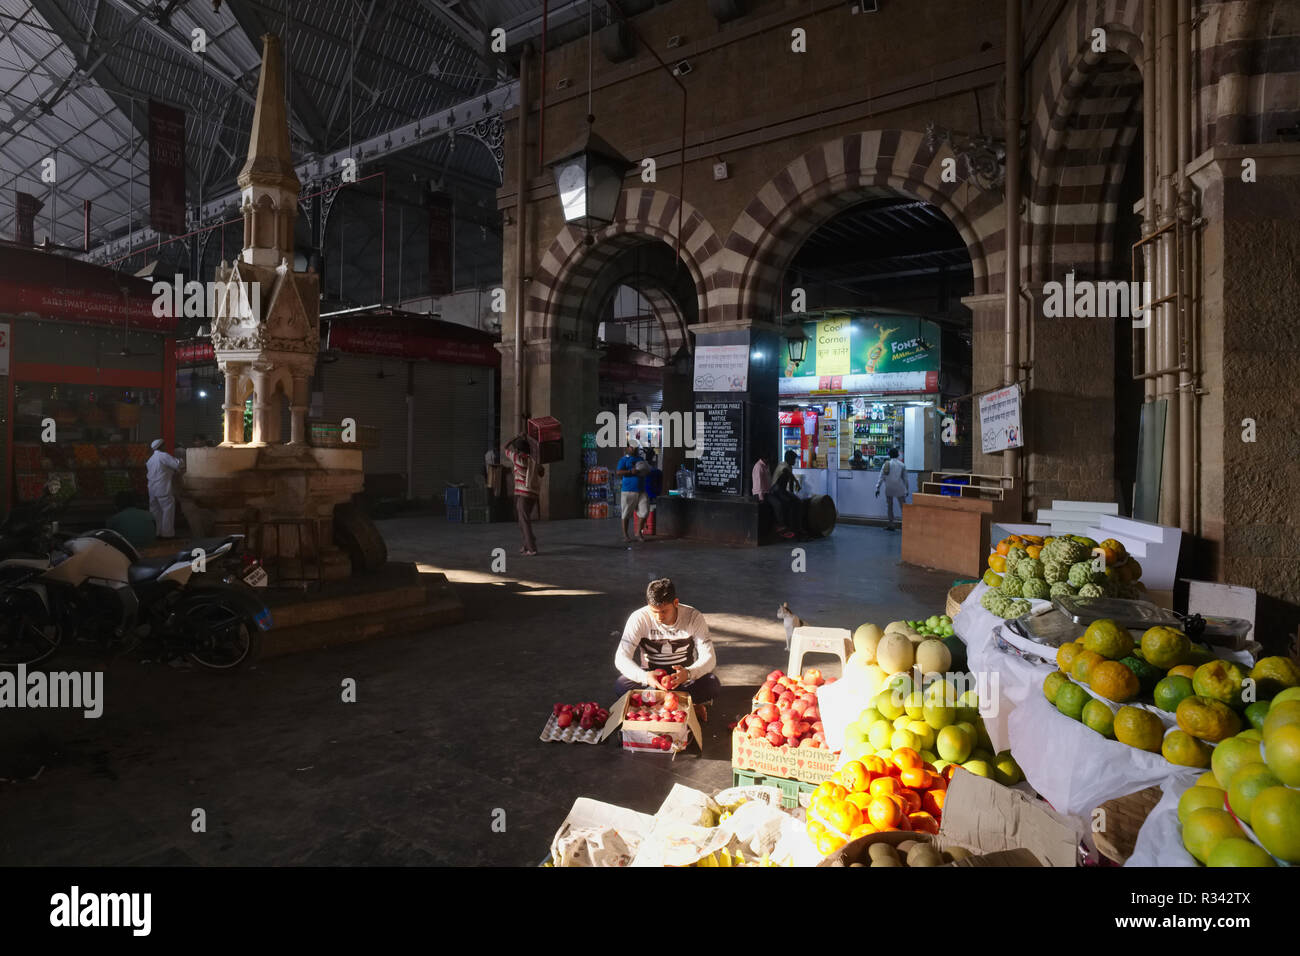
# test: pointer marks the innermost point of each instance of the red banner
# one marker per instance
(166, 168)
(441, 280)
(74, 304)
(195, 353)
(413, 345)
(26, 206)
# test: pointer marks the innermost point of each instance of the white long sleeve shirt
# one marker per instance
(161, 469)
(647, 645)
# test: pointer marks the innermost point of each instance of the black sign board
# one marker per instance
(720, 467)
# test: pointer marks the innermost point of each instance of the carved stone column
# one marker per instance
(298, 409)
(233, 408)
(262, 407)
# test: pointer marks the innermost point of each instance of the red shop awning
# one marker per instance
(56, 288)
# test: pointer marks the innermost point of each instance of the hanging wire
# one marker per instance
(590, 115)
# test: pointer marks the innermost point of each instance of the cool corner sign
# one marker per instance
(856, 353)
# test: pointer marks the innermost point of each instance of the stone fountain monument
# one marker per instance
(266, 335)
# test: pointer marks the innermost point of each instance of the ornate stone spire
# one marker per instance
(268, 181)
(270, 161)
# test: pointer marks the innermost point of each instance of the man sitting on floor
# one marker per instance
(671, 636)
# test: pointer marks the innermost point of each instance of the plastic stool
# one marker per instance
(823, 640)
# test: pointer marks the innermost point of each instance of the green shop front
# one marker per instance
(869, 382)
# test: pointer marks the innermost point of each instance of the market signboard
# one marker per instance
(1000, 424)
(410, 344)
(721, 368)
(848, 353)
(166, 168)
(719, 467)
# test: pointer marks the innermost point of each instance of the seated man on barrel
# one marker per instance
(666, 646)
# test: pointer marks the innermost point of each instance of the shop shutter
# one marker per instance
(451, 425)
(353, 389)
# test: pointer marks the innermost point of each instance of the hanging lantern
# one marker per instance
(589, 179)
(797, 342)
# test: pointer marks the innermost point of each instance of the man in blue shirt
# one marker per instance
(633, 497)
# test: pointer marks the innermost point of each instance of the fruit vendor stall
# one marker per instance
(89, 383)
(1105, 698)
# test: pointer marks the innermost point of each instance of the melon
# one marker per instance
(897, 627)
(933, 657)
(865, 639)
(894, 653)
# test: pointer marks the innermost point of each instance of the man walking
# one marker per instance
(632, 469)
(162, 469)
(893, 475)
(528, 477)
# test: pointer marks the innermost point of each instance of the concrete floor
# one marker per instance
(445, 727)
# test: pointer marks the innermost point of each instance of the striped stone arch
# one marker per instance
(1081, 138)
(832, 177)
(569, 268)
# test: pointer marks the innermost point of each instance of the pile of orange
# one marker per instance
(872, 795)
(1032, 544)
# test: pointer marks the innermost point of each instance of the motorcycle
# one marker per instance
(30, 529)
(96, 587)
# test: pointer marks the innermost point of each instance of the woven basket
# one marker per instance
(955, 596)
(1123, 818)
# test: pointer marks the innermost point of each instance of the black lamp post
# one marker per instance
(589, 178)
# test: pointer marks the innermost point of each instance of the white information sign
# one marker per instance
(1000, 422)
(721, 368)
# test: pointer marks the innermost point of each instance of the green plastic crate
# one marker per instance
(790, 789)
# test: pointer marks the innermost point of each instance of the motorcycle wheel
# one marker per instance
(29, 633)
(221, 636)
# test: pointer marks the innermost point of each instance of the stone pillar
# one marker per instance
(298, 409)
(1247, 472)
(988, 316)
(233, 408)
(762, 428)
(679, 399)
(261, 405)
(561, 380)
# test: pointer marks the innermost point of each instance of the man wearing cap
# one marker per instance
(162, 469)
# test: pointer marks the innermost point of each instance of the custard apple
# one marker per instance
(1015, 555)
(1035, 588)
(1091, 591)
(994, 601)
(1080, 574)
(1016, 609)
(1072, 552)
(1054, 571)
(1011, 586)
(1030, 568)
(1060, 589)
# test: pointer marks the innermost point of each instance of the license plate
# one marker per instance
(256, 578)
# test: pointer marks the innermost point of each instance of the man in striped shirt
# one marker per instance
(671, 636)
(516, 452)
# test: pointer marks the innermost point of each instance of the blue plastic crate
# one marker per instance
(455, 514)
(453, 496)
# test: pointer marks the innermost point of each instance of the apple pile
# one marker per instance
(655, 705)
(662, 742)
(588, 714)
(785, 712)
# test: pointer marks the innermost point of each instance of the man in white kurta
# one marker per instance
(162, 470)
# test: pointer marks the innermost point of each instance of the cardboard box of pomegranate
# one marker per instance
(648, 718)
(1000, 826)
(809, 764)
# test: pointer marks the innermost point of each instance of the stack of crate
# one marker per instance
(476, 504)
(454, 497)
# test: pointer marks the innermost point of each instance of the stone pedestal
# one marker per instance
(270, 492)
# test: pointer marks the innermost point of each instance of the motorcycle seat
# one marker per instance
(209, 545)
(148, 569)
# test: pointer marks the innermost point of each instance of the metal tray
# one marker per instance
(1047, 626)
(1138, 615)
